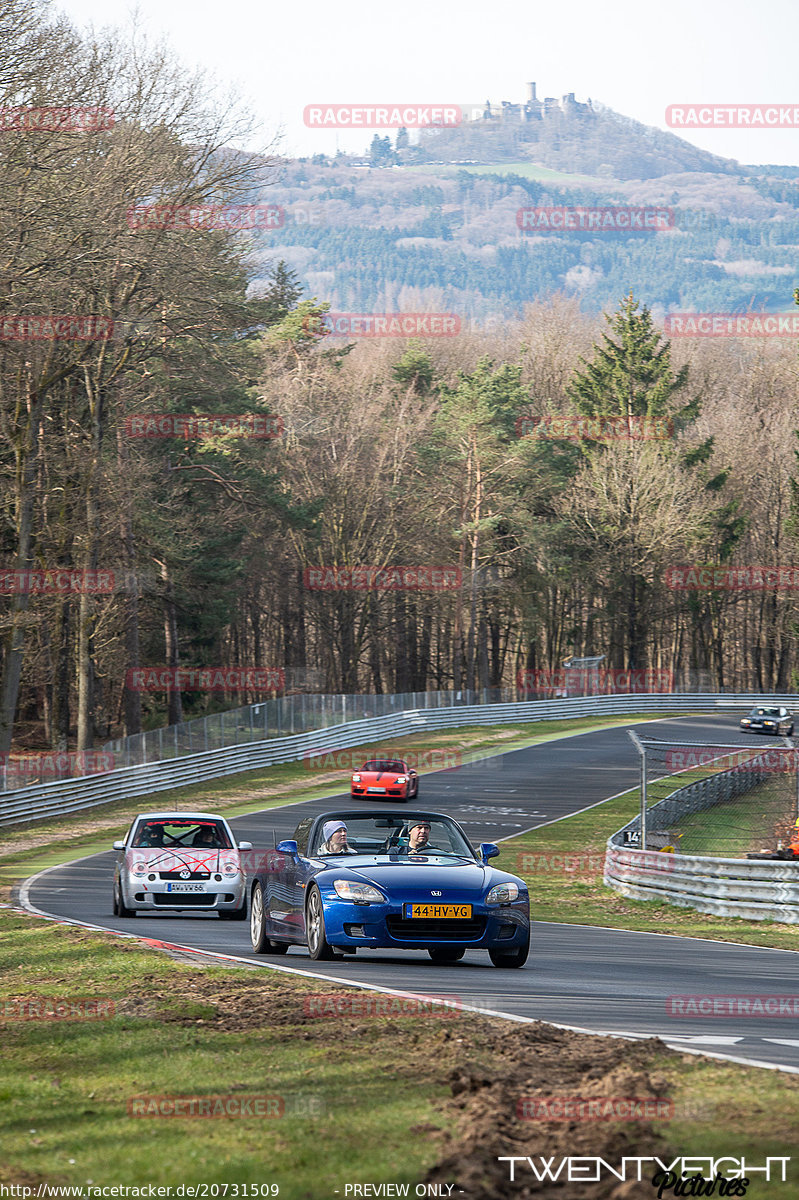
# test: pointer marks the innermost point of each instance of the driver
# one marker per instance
(419, 838)
(335, 835)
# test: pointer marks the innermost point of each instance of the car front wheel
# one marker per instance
(120, 910)
(258, 936)
(516, 957)
(318, 945)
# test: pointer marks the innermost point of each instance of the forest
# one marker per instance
(207, 499)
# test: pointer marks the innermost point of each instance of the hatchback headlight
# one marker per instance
(230, 866)
(503, 893)
(361, 893)
(139, 867)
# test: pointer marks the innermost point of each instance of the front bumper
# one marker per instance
(143, 894)
(383, 925)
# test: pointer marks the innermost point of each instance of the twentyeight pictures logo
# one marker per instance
(376, 325)
(381, 116)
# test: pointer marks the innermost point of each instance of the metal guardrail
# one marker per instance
(69, 795)
(725, 887)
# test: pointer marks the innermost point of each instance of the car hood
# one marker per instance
(195, 860)
(398, 872)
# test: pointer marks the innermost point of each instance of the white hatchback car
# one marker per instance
(180, 862)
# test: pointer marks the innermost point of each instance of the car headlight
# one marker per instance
(401, 779)
(230, 867)
(746, 721)
(138, 867)
(503, 893)
(356, 779)
(362, 893)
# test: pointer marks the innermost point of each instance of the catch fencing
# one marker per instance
(69, 795)
(737, 799)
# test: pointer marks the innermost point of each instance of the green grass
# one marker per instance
(563, 864)
(362, 1099)
(740, 826)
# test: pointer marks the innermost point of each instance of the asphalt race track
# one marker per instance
(597, 979)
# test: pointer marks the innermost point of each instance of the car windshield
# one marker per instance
(384, 764)
(765, 712)
(390, 835)
(183, 835)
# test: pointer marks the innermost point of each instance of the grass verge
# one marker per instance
(358, 1097)
(563, 866)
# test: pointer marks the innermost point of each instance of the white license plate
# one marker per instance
(185, 887)
(375, 789)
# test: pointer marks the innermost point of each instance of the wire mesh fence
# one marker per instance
(717, 799)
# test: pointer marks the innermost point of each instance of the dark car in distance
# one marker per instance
(774, 720)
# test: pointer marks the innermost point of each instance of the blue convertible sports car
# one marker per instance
(351, 879)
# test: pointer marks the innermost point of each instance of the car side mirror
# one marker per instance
(488, 850)
(119, 845)
(245, 845)
(288, 847)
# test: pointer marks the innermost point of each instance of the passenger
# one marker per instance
(335, 835)
(153, 835)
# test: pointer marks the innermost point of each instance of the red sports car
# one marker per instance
(389, 777)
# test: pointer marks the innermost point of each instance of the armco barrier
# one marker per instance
(756, 890)
(69, 795)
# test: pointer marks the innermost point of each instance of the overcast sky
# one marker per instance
(635, 57)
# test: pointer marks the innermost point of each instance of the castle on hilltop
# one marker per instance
(534, 109)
